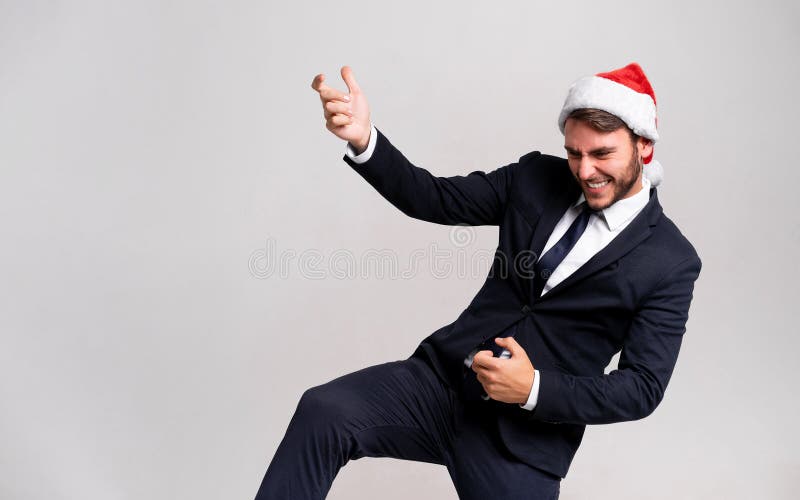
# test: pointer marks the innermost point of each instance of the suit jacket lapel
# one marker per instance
(554, 209)
(636, 232)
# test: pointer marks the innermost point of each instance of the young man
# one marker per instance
(587, 266)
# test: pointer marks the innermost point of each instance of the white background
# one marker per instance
(149, 149)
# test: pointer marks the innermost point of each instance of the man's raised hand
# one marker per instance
(346, 115)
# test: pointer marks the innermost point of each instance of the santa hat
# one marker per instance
(625, 93)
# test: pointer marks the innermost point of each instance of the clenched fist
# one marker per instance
(346, 115)
(505, 380)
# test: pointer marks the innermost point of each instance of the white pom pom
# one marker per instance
(654, 172)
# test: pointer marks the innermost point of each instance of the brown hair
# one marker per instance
(602, 121)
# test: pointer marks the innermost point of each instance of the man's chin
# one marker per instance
(598, 202)
(598, 208)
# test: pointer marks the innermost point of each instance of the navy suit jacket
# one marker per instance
(632, 296)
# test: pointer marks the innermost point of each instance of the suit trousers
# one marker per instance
(400, 409)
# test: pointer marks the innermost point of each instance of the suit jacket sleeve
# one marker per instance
(647, 359)
(478, 198)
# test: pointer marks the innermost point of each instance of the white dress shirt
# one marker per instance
(599, 233)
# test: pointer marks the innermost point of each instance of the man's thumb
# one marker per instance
(350, 80)
(509, 343)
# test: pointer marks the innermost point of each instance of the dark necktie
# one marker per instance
(545, 266)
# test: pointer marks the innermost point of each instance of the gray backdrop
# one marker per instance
(158, 158)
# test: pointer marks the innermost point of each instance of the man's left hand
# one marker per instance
(505, 380)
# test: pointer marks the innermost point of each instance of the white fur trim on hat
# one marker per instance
(636, 109)
(654, 172)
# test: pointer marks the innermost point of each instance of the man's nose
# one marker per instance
(586, 167)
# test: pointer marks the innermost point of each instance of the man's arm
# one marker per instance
(646, 362)
(478, 198)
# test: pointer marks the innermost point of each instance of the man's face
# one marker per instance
(605, 164)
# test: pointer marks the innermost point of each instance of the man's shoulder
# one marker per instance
(536, 159)
(675, 246)
(539, 167)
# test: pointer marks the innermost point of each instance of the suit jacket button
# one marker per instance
(526, 309)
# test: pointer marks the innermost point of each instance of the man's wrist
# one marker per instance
(361, 146)
(533, 397)
(362, 155)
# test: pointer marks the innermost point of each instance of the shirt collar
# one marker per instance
(623, 209)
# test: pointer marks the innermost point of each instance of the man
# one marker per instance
(587, 266)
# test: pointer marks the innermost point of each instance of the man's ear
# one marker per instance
(645, 147)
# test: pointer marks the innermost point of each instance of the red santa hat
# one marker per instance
(625, 93)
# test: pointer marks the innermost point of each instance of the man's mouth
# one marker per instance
(596, 187)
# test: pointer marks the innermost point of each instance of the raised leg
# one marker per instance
(398, 409)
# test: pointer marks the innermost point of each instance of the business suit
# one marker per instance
(633, 295)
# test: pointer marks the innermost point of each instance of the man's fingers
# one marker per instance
(483, 359)
(338, 107)
(327, 93)
(511, 344)
(350, 79)
(340, 120)
(331, 94)
(317, 84)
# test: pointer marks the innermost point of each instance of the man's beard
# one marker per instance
(623, 185)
